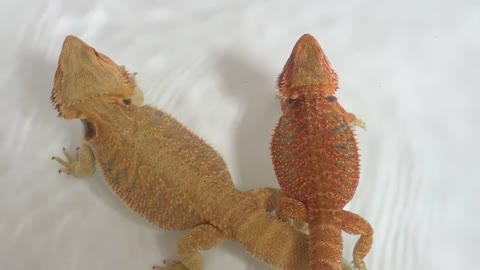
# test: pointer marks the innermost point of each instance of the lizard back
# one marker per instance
(151, 161)
(314, 153)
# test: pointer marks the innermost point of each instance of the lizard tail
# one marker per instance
(273, 241)
(325, 242)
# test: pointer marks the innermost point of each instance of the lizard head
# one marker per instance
(83, 75)
(307, 66)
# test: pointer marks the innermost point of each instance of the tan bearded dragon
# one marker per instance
(160, 169)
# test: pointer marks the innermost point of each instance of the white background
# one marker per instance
(410, 69)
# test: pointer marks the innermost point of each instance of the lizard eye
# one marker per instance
(331, 98)
(127, 101)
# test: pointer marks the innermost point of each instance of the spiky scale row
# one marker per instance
(315, 154)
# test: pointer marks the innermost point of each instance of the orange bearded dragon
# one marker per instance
(315, 157)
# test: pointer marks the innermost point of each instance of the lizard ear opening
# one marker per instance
(88, 130)
(84, 73)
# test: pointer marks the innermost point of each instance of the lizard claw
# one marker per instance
(68, 163)
(170, 265)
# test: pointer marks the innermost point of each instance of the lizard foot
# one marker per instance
(82, 164)
(354, 121)
(170, 265)
(346, 266)
(359, 123)
(69, 164)
(359, 264)
(299, 226)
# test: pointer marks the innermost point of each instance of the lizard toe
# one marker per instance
(170, 265)
(68, 163)
(359, 264)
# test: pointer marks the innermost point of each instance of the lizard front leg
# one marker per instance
(80, 165)
(352, 119)
(202, 237)
(355, 224)
(83, 164)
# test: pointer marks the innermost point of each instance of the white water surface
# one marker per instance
(409, 68)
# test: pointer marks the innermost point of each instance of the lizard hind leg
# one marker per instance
(355, 224)
(265, 198)
(294, 212)
(202, 237)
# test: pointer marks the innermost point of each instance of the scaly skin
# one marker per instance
(315, 157)
(160, 169)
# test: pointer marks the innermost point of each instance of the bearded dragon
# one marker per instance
(315, 157)
(160, 169)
